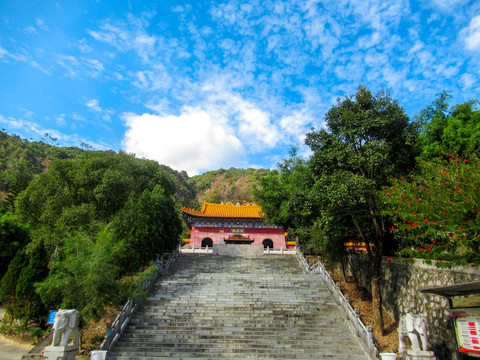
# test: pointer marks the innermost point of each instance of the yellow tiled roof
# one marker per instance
(227, 211)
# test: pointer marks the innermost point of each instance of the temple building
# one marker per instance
(232, 224)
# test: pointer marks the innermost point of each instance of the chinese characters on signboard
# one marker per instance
(51, 316)
(467, 328)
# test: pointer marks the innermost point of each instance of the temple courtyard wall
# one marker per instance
(400, 283)
(219, 234)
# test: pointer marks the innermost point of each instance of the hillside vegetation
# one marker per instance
(79, 229)
(226, 185)
(17, 155)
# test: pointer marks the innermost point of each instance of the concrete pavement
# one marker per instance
(10, 350)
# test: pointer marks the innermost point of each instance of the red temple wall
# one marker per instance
(257, 234)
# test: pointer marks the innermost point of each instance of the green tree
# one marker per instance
(452, 129)
(435, 211)
(83, 275)
(13, 237)
(366, 139)
(34, 270)
(21, 182)
(9, 280)
(147, 226)
(98, 218)
(285, 195)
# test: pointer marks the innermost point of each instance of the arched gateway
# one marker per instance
(267, 243)
(207, 242)
(231, 224)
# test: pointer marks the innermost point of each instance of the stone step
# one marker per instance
(185, 332)
(220, 307)
(176, 354)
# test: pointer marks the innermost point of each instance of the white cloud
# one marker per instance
(39, 67)
(156, 79)
(94, 105)
(60, 120)
(447, 5)
(41, 24)
(393, 77)
(468, 80)
(105, 114)
(31, 30)
(133, 36)
(255, 127)
(159, 106)
(194, 141)
(144, 45)
(84, 47)
(296, 125)
(5, 54)
(370, 40)
(471, 34)
(76, 67)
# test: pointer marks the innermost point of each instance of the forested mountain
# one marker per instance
(226, 185)
(22, 157)
(17, 155)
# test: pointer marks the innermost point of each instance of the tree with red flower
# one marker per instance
(450, 210)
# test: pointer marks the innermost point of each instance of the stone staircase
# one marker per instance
(265, 307)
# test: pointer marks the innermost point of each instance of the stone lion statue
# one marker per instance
(66, 324)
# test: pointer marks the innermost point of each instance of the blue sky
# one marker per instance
(208, 84)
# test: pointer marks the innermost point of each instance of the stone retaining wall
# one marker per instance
(400, 283)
